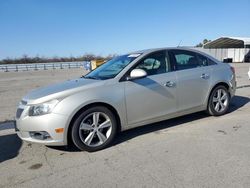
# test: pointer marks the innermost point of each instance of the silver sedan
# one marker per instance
(128, 91)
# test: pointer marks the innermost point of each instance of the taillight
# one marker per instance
(232, 69)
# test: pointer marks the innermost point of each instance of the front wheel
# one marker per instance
(94, 129)
(218, 103)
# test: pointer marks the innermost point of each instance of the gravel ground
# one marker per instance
(191, 151)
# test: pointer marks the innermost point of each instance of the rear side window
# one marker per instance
(203, 61)
(184, 59)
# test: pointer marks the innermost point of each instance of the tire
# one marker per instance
(218, 105)
(94, 129)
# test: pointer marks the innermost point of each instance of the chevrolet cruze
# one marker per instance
(128, 91)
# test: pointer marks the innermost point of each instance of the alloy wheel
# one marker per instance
(220, 100)
(95, 129)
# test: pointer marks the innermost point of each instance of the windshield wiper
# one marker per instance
(91, 77)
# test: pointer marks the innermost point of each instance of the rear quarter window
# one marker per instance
(211, 62)
(203, 60)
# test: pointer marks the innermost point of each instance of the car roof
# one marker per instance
(166, 48)
(147, 51)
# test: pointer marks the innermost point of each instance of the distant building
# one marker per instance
(232, 49)
(229, 42)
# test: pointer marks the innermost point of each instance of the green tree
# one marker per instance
(201, 44)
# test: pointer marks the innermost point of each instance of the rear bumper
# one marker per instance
(232, 87)
(48, 123)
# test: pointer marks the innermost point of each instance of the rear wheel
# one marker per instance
(94, 129)
(218, 103)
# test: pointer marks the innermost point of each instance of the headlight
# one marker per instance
(44, 108)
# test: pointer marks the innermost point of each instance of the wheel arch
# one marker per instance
(222, 83)
(110, 107)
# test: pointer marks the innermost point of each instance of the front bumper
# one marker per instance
(26, 125)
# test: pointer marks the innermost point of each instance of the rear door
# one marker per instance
(193, 78)
(154, 96)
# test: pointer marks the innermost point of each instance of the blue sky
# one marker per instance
(75, 27)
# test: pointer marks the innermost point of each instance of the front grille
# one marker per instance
(19, 112)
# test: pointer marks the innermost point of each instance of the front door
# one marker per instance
(153, 97)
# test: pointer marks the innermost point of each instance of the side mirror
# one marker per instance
(137, 73)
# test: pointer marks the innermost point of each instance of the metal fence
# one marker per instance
(40, 66)
(236, 54)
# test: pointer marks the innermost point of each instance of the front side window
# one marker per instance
(111, 68)
(156, 63)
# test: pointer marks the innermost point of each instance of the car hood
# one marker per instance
(60, 90)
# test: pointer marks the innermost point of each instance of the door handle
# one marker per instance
(169, 84)
(204, 76)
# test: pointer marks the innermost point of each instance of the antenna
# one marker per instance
(179, 44)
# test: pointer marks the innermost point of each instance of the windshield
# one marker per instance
(112, 68)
